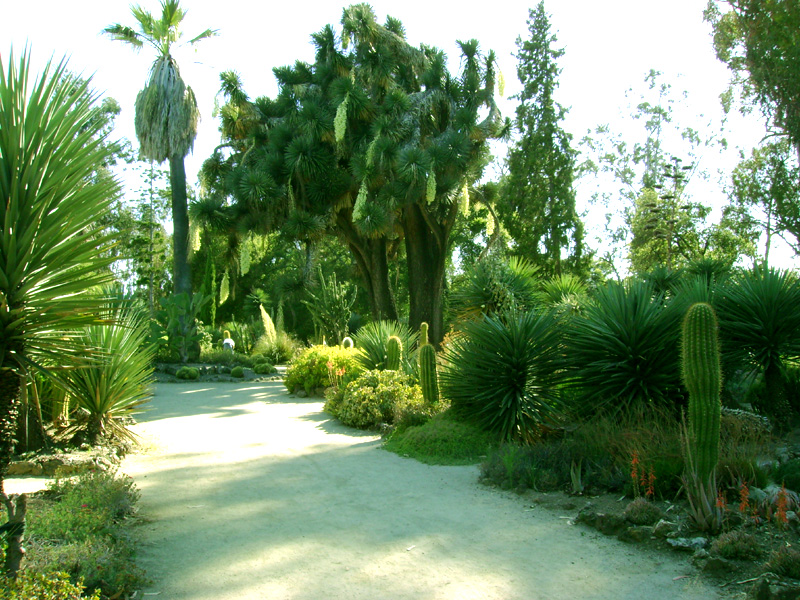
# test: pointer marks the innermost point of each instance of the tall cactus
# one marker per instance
(428, 379)
(423, 334)
(394, 353)
(702, 377)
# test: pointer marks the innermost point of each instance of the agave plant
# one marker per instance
(565, 293)
(119, 381)
(371, 341)
(504, 373)
(623, 350)
(759, 325)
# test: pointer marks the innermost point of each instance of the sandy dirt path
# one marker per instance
(251, 493)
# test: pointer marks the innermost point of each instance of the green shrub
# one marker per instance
(190, 373)
(737, 544)
(623, 351)
(80, 528)
(504, 374)
(278, 350)
(788, 474)
(643, 512)
(784, 561)
(30, 585)
(237, 372)
(369, 401)
(313, 367)
(441, 441)
(264, 368)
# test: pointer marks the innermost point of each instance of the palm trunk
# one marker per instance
(182, 274)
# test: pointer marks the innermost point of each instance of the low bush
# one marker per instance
(369, 401)
(442, 441)
(237, 372)
(264, 368)
(190, 373)
(737, 544)
(30, 585)
(314, 367)
(80, 527)
(643, 512)
(788, 474)
(278, 350)
(784, 561)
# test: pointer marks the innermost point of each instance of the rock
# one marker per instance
(319, 392)
(301, 394)
(25, 467)
(714, 564)
(635, 534)
(610, 524)
(688, 544)
(664, 528)
(771, 587)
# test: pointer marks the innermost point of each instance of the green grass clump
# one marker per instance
(442, 441)
(784, 561)
(189, 373)
(737, 544)
(237, 372)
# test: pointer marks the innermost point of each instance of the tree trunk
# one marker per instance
(371, 257)
(17, 510)
(181, 273)
(426, 258)
(10, 384)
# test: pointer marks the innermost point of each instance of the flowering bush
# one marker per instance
(311, 369)
(373, 399)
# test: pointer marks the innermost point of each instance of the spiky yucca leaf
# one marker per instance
(504, 373)
(119, 382)
(52, 246)
(371, 341)
(624, 349)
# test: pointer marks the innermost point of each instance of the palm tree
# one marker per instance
(52, 244)
(166, 116)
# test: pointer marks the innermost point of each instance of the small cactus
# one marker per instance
(702, 377)
(394, 353)
(428, 379)
(347, 342)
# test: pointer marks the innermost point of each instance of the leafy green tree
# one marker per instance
(166, 116)
(53, 247)
(538, 199)
(373, 142)
(757, 39)
(769, 180)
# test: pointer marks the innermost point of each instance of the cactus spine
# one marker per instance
(702, 377)
(394, 353)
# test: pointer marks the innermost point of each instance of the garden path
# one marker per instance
(250, 493)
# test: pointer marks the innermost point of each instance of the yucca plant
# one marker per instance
(491, 286)
(371, 342)
(623, 351)
(52, 246)
(107, 392)
(504, 373)
(759, 324)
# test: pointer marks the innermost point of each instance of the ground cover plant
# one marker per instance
(82, 527)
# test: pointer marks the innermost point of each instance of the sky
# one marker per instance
(609, 47)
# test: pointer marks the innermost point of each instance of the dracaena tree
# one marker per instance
(52, 248)
(375, 142)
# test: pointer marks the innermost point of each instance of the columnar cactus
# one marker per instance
(428, 379)
(394, 353)
(423, 334)
(702, 377)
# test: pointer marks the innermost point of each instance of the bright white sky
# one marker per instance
(609, 45)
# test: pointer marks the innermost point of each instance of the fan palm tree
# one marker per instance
(52, 245)
(166, 115)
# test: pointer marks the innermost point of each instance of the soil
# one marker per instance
(249, 492)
